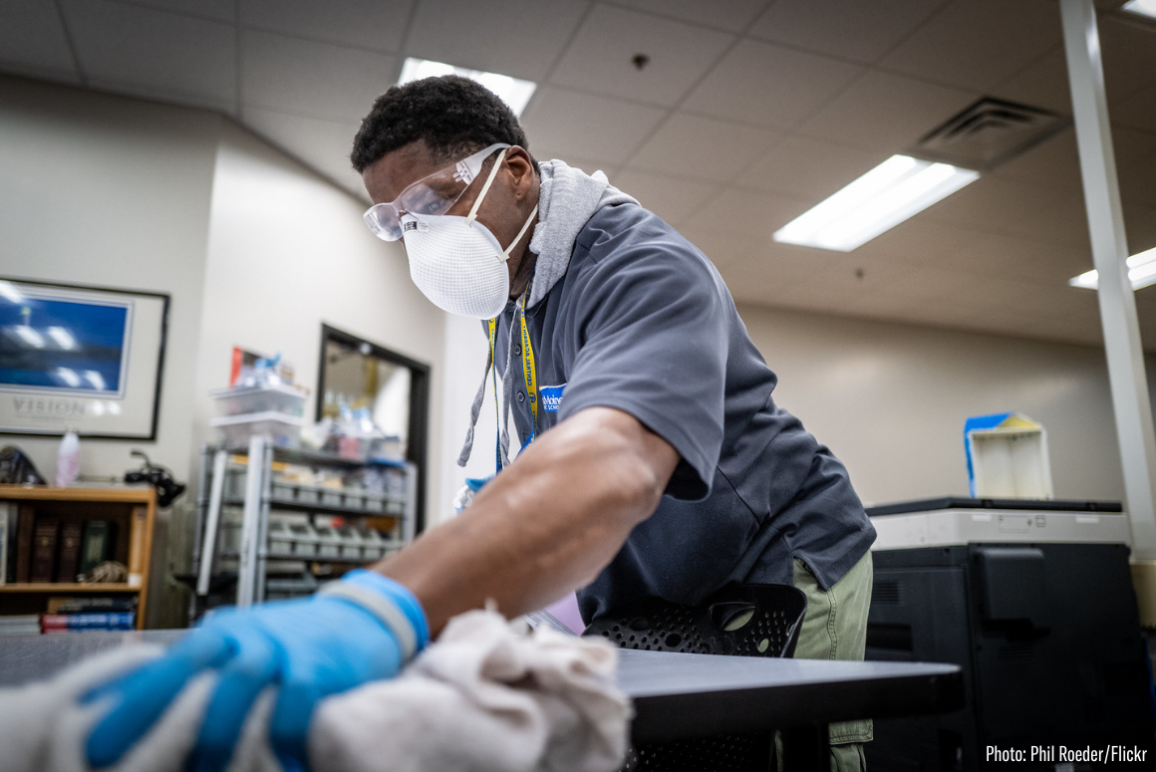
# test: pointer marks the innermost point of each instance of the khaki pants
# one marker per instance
(835, 627)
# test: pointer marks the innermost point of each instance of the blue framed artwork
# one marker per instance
(86, 359)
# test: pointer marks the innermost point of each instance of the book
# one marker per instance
(136, 556)
(6, 545)
(117, 620)
(20, 624)
(65, 605)
(25, 517)
(44, 548)
(69, 564)
(95, 546)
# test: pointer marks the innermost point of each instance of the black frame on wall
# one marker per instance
(418, 440)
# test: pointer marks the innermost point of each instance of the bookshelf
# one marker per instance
(132, 510)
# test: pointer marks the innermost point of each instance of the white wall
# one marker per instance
(287, 251)
(890, 400)
(113, 192)
(466, 351)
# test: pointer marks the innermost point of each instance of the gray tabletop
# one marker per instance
(675, 695)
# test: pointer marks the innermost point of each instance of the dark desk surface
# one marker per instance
(675, 695)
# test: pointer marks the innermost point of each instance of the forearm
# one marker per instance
(546, 525)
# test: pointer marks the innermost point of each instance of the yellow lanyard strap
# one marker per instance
(529, 376)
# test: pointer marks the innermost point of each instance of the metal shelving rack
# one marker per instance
(256, 503)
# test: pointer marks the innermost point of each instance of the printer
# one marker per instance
(1034, 600)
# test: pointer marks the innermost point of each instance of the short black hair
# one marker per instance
(454, 115)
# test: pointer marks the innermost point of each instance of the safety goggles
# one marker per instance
(434, 194)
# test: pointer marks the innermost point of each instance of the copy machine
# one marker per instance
(1034, 600)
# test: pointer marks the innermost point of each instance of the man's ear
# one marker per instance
(522, 170)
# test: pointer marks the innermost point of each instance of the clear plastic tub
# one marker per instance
(270, 398)
(282, 429)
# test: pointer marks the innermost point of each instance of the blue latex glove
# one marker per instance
(362, 628)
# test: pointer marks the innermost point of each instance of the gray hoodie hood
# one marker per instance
(567, 199)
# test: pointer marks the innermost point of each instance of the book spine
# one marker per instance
(95, 545)
(64, 605)
(136, 557)
(5, 542)
(70, 534)
(113, 621)
(44, 549)
(24, 533)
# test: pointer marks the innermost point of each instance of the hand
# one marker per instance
(362, 628)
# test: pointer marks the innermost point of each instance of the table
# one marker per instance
(675, 695)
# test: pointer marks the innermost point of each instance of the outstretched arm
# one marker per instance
(544, 526)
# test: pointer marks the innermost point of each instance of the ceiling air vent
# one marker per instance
(988, 134)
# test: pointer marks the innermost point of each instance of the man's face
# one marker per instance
(508, 203)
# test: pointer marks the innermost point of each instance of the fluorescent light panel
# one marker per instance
(1141, 272)
(882, 198)
(1142, 7)
(513, 91)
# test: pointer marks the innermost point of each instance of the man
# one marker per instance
(655, 462)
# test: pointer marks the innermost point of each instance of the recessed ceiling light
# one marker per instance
(1142, 7)
(1141, 272)
(882, 198)
(513, 91)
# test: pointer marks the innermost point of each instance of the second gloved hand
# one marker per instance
(362, 628)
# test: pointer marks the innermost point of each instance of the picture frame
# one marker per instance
(80, 358)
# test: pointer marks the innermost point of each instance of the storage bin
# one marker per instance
(374, 503)
(280, 538)
(304, 540)
(272, 398)
(283, 491)
(351, 543)
(328, 542)
(331, 497)
(354, 500)
(282, 429)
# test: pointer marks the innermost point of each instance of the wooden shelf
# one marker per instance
(67, 588)
(144, 495)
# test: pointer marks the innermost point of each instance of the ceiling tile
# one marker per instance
(323, 145)
(722, 249)
(521, 38)
(1043, 84)
(1138, 181)
(730, 15)
(669, 198)
(978, 44)
(155, 52)
(848, 29)
(920, 242)
(693, 146)
(316, 79)
(599, 57)
(746, 213)
(374, 24)
(1054, 163)
(995, 255)
(587, 165)
(808, 168)
(32, 39)
(996, 205)
(221, 10)
(768, 84)
(1137, 111)
(888, 113)
(589, 126)
(1129, 51)
(1140, 225)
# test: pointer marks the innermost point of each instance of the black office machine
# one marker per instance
(1034, 600)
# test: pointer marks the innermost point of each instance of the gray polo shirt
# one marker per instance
(643, 322)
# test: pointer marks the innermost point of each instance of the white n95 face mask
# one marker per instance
(457, 263)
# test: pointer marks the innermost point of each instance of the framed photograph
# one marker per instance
(87, 359)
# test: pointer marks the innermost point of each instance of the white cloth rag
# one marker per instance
(483, 697)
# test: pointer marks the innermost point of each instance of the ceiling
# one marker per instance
(748, 113)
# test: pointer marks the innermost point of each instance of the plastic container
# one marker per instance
(328, 542)
(351, 543)
(267, 398)
(280, 538)
(304, 540)
(282, 429)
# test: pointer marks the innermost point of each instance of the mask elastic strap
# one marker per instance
(521, 233)
(486, 188)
